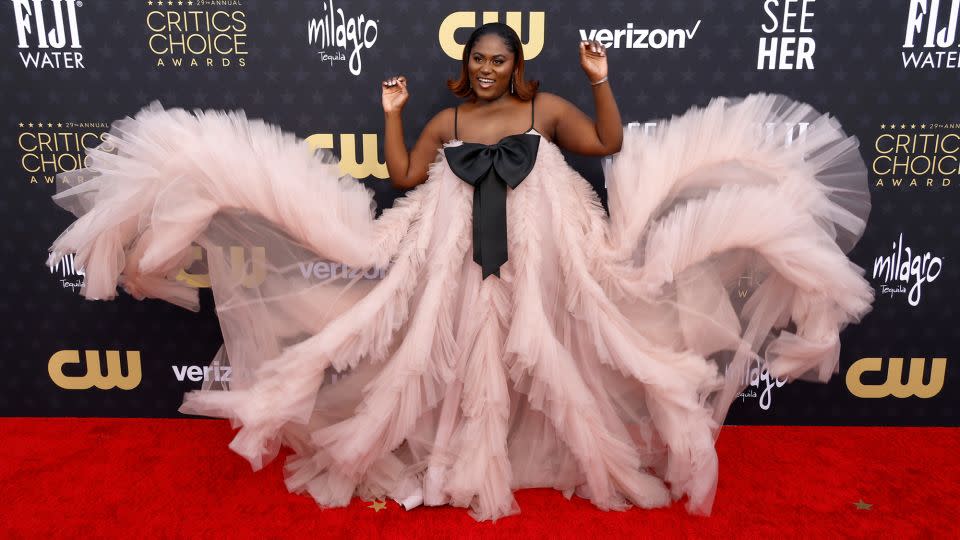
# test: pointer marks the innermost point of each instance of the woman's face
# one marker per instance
(490, 67)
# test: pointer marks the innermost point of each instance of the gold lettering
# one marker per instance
(892, 385)
(94, 376)
(468, 19)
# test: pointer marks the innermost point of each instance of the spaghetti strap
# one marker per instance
(531, 111)
(455, 122)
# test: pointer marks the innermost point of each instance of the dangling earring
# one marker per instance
(511, 84)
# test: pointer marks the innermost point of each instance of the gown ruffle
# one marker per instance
(603, 360)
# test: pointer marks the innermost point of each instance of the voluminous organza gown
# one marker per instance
(601, 361)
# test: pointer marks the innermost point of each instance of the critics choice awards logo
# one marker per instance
(334, 35)
(197, 33)
(916, 156)
(49, 148)
(47, 35)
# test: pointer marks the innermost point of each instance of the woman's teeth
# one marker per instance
(485, 83)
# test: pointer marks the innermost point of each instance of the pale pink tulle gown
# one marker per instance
(601, 362)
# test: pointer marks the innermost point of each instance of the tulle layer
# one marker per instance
(601, 363)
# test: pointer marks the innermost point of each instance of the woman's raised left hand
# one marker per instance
(593, 60)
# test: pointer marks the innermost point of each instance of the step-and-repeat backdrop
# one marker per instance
(888, 69)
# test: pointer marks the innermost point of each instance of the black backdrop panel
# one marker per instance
(887, 69)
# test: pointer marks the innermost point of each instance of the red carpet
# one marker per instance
(89, 478)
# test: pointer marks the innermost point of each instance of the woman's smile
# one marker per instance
(486, 82)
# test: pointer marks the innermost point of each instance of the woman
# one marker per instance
(501, 106)
(519, 337)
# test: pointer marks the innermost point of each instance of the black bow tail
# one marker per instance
(490, 224)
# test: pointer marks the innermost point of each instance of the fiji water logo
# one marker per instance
(334, 30)
(931, 37)
(50, 27)
(905, 272)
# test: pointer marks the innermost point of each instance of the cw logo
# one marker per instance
(239, 273)
(370, 166)
(468, 19)
(893, 385)
(94, 376)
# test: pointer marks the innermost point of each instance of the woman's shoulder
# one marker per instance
(441, 118)
(550, 101)
(443, 114)
(551, 107)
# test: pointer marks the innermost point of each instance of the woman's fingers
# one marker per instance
(397, 80)
(593, 47)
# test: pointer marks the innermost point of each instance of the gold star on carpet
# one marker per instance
(378, 505)
(862, 505)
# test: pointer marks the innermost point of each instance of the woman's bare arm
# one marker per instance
(574, 130)
(409, 170)
(578, 133)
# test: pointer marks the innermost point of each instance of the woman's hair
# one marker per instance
(523, 89)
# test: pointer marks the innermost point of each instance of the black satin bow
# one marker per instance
(490, 169)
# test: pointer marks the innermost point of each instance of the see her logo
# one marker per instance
(785, 47)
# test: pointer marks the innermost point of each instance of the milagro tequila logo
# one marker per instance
(904, 269)
(757, 377)
(44, 29)
(335, 30)
(71, 277)
(931, 40)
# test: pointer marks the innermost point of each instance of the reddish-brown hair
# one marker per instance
(523, 89)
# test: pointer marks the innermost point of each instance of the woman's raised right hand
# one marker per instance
(394, 94)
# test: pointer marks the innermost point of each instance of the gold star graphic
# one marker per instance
(913, 126)
(924, 126)
(378, 505)
(903, 126)
(883, 126)
(862, 505)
